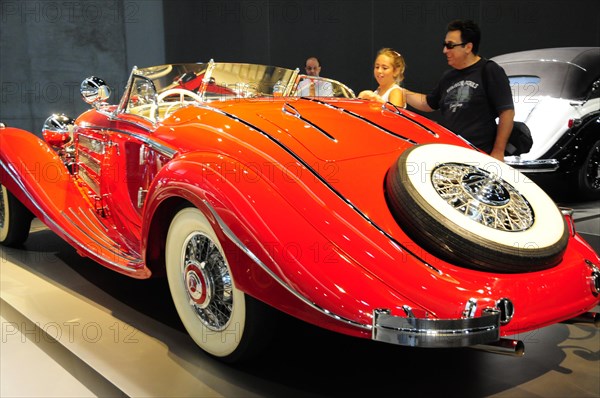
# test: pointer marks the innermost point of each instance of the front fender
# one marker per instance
(33, 172)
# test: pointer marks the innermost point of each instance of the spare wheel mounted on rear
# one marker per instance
(469, 209)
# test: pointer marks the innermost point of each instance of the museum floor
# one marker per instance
(71, 328)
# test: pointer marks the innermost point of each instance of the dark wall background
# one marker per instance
(346, 34)
(48, 47)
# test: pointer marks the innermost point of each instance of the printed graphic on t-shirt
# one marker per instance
(459, 94)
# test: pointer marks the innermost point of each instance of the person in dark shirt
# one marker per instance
(472, 94)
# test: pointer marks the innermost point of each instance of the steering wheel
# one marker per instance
(181, 92)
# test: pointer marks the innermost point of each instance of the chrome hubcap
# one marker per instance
(207, 281)
(199, 287)
(483, 197)
(487, 190)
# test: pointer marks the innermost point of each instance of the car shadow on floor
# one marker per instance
(315, 362)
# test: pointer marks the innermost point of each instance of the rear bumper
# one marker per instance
(436, 333)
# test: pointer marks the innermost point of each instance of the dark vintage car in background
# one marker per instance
(557, 95)
(357, 217)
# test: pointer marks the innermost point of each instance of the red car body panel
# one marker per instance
(305, 194)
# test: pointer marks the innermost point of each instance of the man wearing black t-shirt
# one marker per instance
(472, 94)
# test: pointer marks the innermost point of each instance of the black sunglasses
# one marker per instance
(450, 46)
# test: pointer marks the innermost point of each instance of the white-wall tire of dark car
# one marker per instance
(15, 219)
(220, 318)
(474, 211)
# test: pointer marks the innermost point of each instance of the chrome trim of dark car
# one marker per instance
(435, 333)
(534, 166)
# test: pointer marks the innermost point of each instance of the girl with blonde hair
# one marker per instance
(389, 72)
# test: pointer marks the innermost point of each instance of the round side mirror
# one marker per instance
(58, 130)
(94, 90)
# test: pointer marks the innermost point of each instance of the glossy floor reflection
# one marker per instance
(73, 328)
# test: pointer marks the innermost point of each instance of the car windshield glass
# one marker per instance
(221, 81)
(158, 91)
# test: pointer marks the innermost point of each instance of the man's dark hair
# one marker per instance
(469, 32)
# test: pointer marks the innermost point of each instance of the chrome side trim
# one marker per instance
(90, 162)
(91, 144)
(436, 333)
(54, 226)
(407, 331)
(162, 149)
(236, 241)
(365, 120)
(398, 111)
(291, 110)
(534, 166)
(99, 242)
(328, 185)
(89, 180)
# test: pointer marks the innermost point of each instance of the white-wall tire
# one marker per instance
(505, 223)
(15, 219)
(201, 285)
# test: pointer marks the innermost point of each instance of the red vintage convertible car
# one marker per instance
(363, 219)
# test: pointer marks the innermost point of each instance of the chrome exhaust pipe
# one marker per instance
(586, 317)
(515, 348)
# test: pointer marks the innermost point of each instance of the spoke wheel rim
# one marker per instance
(593, 169)
(207, 281)
(482, 196)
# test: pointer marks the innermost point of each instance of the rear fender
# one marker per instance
(274, 253)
